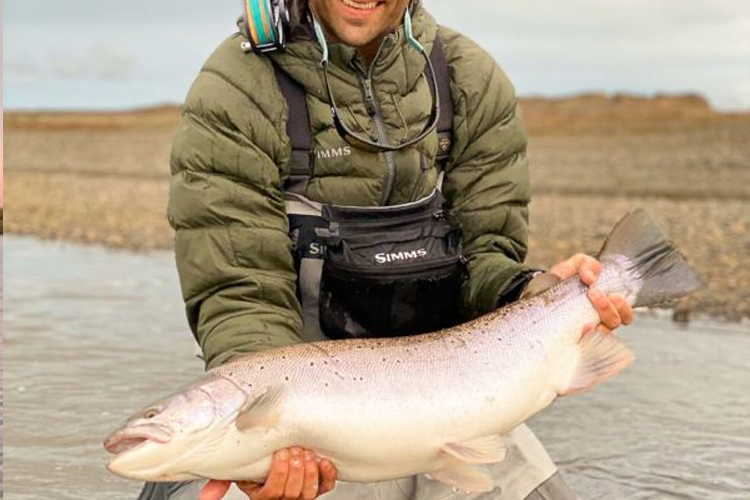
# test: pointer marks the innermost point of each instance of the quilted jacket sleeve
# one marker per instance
(487, 183)
(226, 205)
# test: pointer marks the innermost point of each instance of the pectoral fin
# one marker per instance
(603, 356)
(261, 411)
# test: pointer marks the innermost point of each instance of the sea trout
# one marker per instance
(385, 408)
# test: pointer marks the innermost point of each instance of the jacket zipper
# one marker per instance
(351, 228)
(394, 221)
(373, 109)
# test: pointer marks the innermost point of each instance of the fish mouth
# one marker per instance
(145, 453)
(128, 439)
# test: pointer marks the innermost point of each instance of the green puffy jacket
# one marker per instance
(230, 156)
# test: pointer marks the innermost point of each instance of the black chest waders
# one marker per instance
(372, 271)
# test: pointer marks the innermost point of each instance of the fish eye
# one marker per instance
(151, 413)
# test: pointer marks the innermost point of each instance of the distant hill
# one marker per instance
(159, 116)
(593, 112)
(597, 112)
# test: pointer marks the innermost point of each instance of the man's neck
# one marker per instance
(368, 52)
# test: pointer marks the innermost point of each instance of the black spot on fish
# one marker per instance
(286, 378)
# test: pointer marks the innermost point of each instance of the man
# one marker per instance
(231, 166)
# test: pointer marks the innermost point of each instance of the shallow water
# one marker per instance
(93, 335)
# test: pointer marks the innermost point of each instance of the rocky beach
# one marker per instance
(102, 178)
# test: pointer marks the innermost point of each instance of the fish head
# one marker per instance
(159, 442)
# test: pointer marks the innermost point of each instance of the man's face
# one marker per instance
(358, 23)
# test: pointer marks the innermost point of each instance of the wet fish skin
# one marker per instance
(387, 408)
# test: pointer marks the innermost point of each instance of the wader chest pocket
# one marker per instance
(390, 271)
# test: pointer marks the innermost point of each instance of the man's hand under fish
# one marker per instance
(295, 474)
(299, 474)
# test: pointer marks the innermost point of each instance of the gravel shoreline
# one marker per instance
(110, 185)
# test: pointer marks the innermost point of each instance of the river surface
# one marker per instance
(92, 335)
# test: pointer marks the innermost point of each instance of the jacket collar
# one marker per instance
(396, 68)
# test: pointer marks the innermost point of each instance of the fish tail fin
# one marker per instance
(652, 258)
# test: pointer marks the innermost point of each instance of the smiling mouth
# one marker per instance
(360, 5)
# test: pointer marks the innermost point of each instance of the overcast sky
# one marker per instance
(105, 54)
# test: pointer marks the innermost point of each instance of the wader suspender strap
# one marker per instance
(298, 123)
(445, 123)
(298, 129)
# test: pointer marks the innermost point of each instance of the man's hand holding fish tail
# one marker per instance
(295, 474)
(613, 309)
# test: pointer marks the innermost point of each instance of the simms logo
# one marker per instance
(333, 152)
(383, 258)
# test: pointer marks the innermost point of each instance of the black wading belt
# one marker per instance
(298, 123)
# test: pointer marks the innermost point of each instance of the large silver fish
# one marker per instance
(386, 408)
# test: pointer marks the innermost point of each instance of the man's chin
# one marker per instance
(357, 38)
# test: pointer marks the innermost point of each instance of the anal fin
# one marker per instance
(603, 356)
